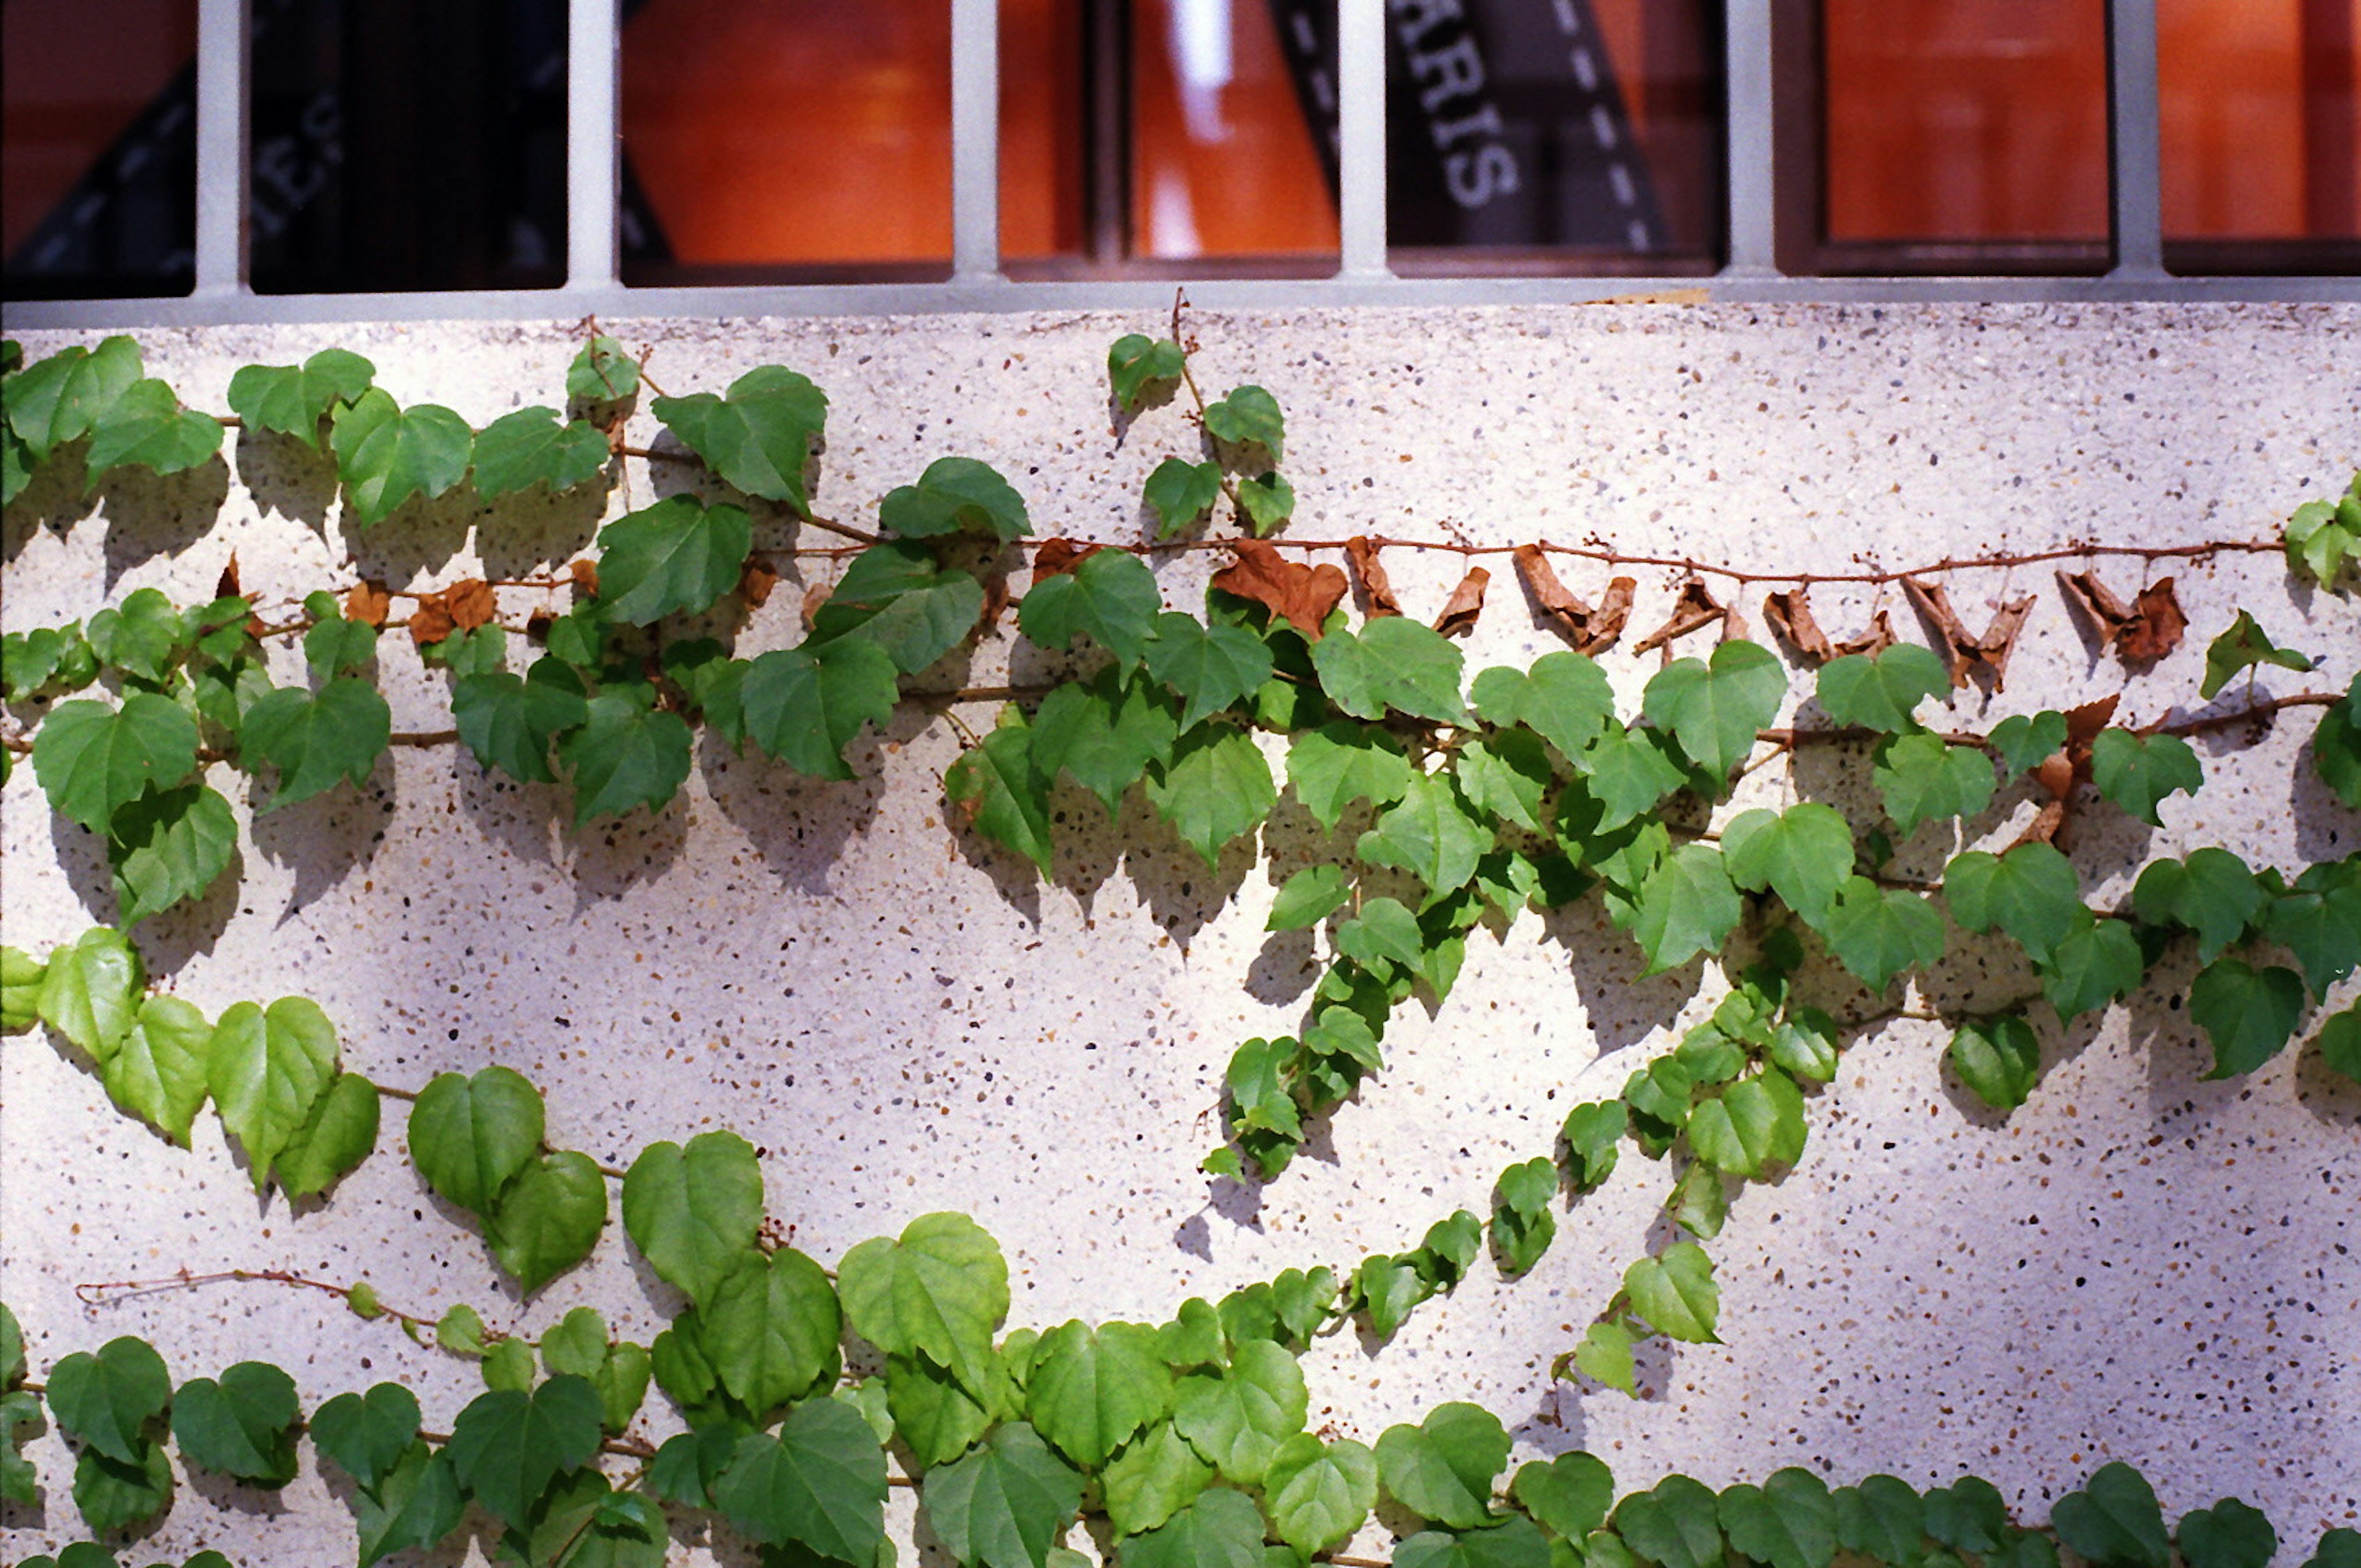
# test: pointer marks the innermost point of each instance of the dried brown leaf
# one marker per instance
(1466, 603)
(1790, 615)
(432, 620)
(1377, 588)
(537, 625)
(1303, 595)
(2095, 602)
(1962, 650)
(1696, 607)
(1054, 556)
(470, 602)
(2043, 829)
(367, 603)
(2157, 624)
(1875, 641)
(584, 573)
(1999, 639)
(1590, 631)
(225, 586)
(814, 597)
(756, 580)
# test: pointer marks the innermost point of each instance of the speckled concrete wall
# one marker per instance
(2140, 1265)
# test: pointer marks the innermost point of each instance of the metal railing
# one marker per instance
(224, 295)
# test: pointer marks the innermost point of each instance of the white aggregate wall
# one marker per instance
(2140, 1265)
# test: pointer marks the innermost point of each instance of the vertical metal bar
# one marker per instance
(1753, 189)
(1107, 131)
(224, 29)
(976, 138)
(1361, 137)
(593, 59)
(2134, 135)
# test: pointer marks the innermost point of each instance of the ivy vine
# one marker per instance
(1451, 803)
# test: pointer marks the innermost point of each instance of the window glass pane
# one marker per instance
(1046, 141)
(1578, 130)
(2262, 131)
(1965, 129)
(408, 144)
(1224, 162)
(98, 153)
(792, 139)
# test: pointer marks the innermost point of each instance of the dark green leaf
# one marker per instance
(1248, 417)
(896, 597)
(2339, 1548)
(1714, 708)
(267, 1070)
(471, 1136)
(1429, 833)
(147, 428)
(1687, 907)
(508, 723)
(507, 1445)
(2136, 773)
(1514, 1544)
(2336, 747)
(93, 760)
(956, 495)
(1679, 1525)
(999, 789)
(368, 1433)
(1219, 1528)
(419, 1503)
(1338, 763)
(2340, 1043)
(1565, 699)
(338, 1135)
(1626, 776)
(2031, 893)
(1392, 663)
(2230, 1534)
(1804, 854)
(293, 400)
(1217, 787)
(58, 399)
(1211, 667)
(1110, 595)
(387, 454)
(548, 1218)
(169, 846)
(1591, 1133)
(1319, 1494)
(941, 1288)
(1267, 502)
(1237, 1420)
(759, 438)
(2098, 962)
(1881, 1518)
(602, 372)
(1569, 1496)
(315, 742)
(1922, 778)
(1443, 1468)
(334, 645)
(1179, 492)
(1789, 1521)
(1154, 1479)
(1091, 1390)
(106, 1401)
(1879, 691)
(804, 705)
(1505, 775)
(2320, 922)
(1877, 932)
(532, 446)
(113, 1493)
(242, 1425)
(2023, 742)
(771, 1327)
(1968, 1514)
(1675, 1291)
(936, 1419)
(693, 1212)
(677, 555)
(1137, 364)
(624, 754)
(2248, 1014)
(1386, 1288)
(1522, 1223)
(1999, 1057)
(20, 1408)
(585, 1523)
(2241, 647)
(2211, 892)
(2114, 1521)
(1309, 896)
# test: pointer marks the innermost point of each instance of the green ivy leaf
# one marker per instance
(387, 454)
(1319, 1494)
(896, 597)
(93, 760)
(2319, 920)
(2211, 893)
(315, 741)
(1878, 691)
(1181, 492)
(293, 399)
(59, 399)
(266, 1069)
(1105, 734)
(1248, 417)
(602, 372)
(1751, 1127)
(108, 1400)
(418, 1504)
(805, 705)
(624, 754)
(2114, 1521)
(1565, 699)
(1001, 790)
(2031, 893)
(2248, 1014)
(1153, 1479)
(334, 645)
(338, 1135)
(2323, 535)
(585, 1523)
(1713, 709)
(16, 474)
(1006, 1504)
(2023, 742)
(48, 661)
(532, 447)
(758, 438)
(1804, 854)
(677, 555)
(2098, 962)
(957, 495)
(168, 846)
(1922, 778)
(368, 1434)
(1625, 775)
(1999, 1057)
(242, 1425)
(1136, 365)
(2136, 773)
(113, 1493)
(693, 1213)
(941, 1288)
(1687, 907)
(507, 1445)
(90, 992)
(547, 1218)
(1308, 896)
(1110, 595)
(507, 722)
(1592, 1134)
(688, 1464)
(1237, 1420)
(2340, 1043)
(1877, 932)
(1216, 788)
(769, 1327)
(1343, 762)
(1515, 1544)
(1267, 503)
(936, 1419)
(158, 1073)
(2339, 1548)
(1506, 775)
(1091, 1390)
(2241, 647)
(1386, 1288)
(1675, 1291)
(1219, 1528)
(2230, 1534)
(1391, 664)
(1441, 1469)
(471, 1136)
(1677, 1525)
(1211, 667)
(147, 427)
(1789, 1521)
(1569, 1495)
(1430, 832)
(1881, 1518)
(1522, 1224)
(2336, 747)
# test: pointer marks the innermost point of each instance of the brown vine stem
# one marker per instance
(1189, 379)
(105, 1292)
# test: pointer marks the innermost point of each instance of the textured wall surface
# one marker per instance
(2139, 1264)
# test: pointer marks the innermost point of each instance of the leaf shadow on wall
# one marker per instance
(53, 500)
(287, 476)
(173, 513)
(326, 837)
(418, 538)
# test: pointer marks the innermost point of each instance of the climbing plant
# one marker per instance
(1451, 803)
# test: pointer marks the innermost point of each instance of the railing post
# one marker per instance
(1753, 187)
(975, 139)
(2134, 135)
(592, 90)
(1361, 138)
(224, 29)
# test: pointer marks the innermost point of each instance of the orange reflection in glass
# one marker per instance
(2261, 121)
